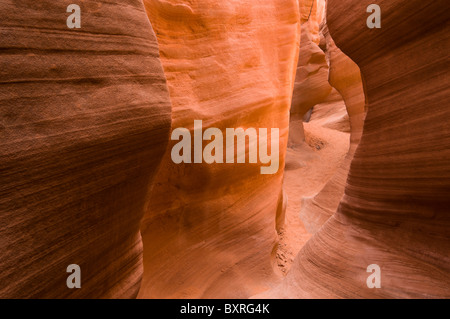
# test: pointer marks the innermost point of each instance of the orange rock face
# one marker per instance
(325, 77)
(210, 229)
(311, 81)
(85, 119)
(87, 175)
(345, 76)
(395, 211)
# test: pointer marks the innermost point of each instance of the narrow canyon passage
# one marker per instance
(209, 230)
(218, 231)
(105, 171)
(308, 168)
(327, 113)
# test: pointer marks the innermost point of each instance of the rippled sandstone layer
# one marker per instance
(210, 230)
(345, 76)
(84, 122)
(395, 209)
(311, 80)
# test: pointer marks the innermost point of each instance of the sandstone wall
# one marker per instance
(395, 209)
(311, 81)
(345, 76)
(84, 122)
(211, 228)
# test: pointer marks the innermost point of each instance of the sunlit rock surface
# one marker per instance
(210, 229)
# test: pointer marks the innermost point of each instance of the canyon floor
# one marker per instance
(308, 168)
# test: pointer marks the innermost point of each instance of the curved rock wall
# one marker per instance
(395, 209)
(85, 119)
(311, 81)
(345, 76)
(212, 231)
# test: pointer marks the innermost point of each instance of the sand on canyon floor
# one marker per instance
(308, 168)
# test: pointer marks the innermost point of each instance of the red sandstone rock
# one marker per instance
(311, 81)
(85, 117)
(85, 121)
(210, 230)
(345, 76)
(395, 211)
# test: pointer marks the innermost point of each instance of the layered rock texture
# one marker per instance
(395, 211)
(210, 229)
(326, 80)
(86, 167)
(345, 76)
(311, 81)
(318, 137)
(85, 119)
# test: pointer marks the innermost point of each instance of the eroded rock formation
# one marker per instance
(395, 211)
(85, 119)
(325, 77)
(345, 76)
(311, 80)
(212, 231)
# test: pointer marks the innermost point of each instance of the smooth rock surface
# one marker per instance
(311, 81)
(395, 211)
(345, 76)
(84, 122)
(212, 232)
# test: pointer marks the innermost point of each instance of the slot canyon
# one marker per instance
(87, 177)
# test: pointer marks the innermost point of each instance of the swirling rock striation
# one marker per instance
(345, 76)
(311, 81)
(395, 209)
(211, 228)
(85, 118)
